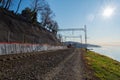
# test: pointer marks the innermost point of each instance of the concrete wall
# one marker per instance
(13, 48)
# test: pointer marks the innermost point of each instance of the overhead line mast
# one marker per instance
(77, 29)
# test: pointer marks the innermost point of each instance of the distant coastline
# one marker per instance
(79, 45)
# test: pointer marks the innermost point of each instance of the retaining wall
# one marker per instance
(13, 48)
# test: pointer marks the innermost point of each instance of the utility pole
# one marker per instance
(77, 29)
(85, 29)
(81, 40)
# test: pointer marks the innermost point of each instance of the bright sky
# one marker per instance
(102, 18)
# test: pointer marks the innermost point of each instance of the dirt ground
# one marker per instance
(67, 64)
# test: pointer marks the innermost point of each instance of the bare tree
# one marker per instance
(8, 3)
(46, 15)
(18, 6)
(59, 37)
(1, 3)
(37, 5)
(55, 27)
(42, 8)
(5, 3)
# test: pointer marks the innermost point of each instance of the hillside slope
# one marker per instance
(13, 28)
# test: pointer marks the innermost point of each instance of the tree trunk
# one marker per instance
(2, 2)
(6, 4)
(18, 6)
(9, 3)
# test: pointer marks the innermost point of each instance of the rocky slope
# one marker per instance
(14, 28)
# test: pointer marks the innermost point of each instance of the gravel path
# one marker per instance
(72, 69)
(54, 65)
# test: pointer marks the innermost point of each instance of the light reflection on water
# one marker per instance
(110, 51)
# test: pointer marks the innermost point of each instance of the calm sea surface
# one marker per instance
(110, 51)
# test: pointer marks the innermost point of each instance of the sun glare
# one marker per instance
(108, 11)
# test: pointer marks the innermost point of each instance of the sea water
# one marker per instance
(110, 51)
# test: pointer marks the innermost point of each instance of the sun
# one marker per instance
(108, 11)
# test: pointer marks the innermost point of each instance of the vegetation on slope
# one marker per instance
(103, 67)
(24, 25)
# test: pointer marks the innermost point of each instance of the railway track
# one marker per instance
(51, 65)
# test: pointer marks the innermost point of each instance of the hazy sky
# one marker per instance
(102, 27)
(77, 13)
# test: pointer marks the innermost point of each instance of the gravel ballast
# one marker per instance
(67, 64)
(31, 67)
